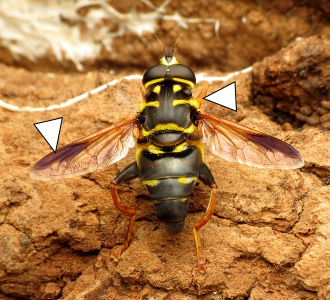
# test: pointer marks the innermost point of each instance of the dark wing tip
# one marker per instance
(293, 158)
(53, 164)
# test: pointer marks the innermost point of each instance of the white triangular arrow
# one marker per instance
(225, 97)
(50, 131)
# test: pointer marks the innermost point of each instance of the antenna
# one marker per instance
(168, 56)
(176, 41)
(160, 41)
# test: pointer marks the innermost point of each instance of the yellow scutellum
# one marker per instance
(168, 126)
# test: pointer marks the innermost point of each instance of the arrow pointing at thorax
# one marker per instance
(225, 96)
(50, 131)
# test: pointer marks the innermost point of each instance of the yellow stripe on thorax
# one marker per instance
(157, 89)
(152, 103)
(177, 87)
(151, 82)
(190, 83)
(192, 102)
(168, 126)
(185, 81)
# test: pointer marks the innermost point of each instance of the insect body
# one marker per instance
(170, 132)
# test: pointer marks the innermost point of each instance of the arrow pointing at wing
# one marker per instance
(225, 97)
(50, 131)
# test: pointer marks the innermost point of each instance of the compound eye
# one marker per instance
(175, 71)
(153, 73)
(183, 72)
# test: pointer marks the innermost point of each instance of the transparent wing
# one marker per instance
(236, 143)
(96, 151)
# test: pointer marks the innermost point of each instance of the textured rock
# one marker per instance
(110, 33)
(57, 237)
(269, 236)
(313, 269)
(299, 74)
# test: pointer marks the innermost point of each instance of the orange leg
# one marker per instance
(126, 210)
(198, 225)
(143, 93)
(202, 94)
(126, 175)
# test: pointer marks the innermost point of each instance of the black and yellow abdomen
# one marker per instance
(170, 178)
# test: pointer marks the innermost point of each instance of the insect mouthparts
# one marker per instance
(168, 56)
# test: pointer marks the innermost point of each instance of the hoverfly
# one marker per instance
(170, 131)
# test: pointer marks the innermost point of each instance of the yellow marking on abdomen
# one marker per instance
(181, 147)
(153, 182)
(186, 180)
(138, 155)
(152, 103)
(154, 149)
(157, 150)
(183, 200)
(168, 126)
(191, 102)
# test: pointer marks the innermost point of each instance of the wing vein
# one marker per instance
(95, 151)
(236, 143)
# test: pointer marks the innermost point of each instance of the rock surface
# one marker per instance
(298, 74)
(221, 35)
(269, 235)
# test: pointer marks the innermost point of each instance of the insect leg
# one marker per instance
(206, 177)
(202, 94)
(128, 174)
(143, 93)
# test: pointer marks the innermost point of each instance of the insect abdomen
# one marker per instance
(170, 178)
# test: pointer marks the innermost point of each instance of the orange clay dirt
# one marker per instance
(269, 236)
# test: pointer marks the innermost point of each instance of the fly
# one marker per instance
(170, 131)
